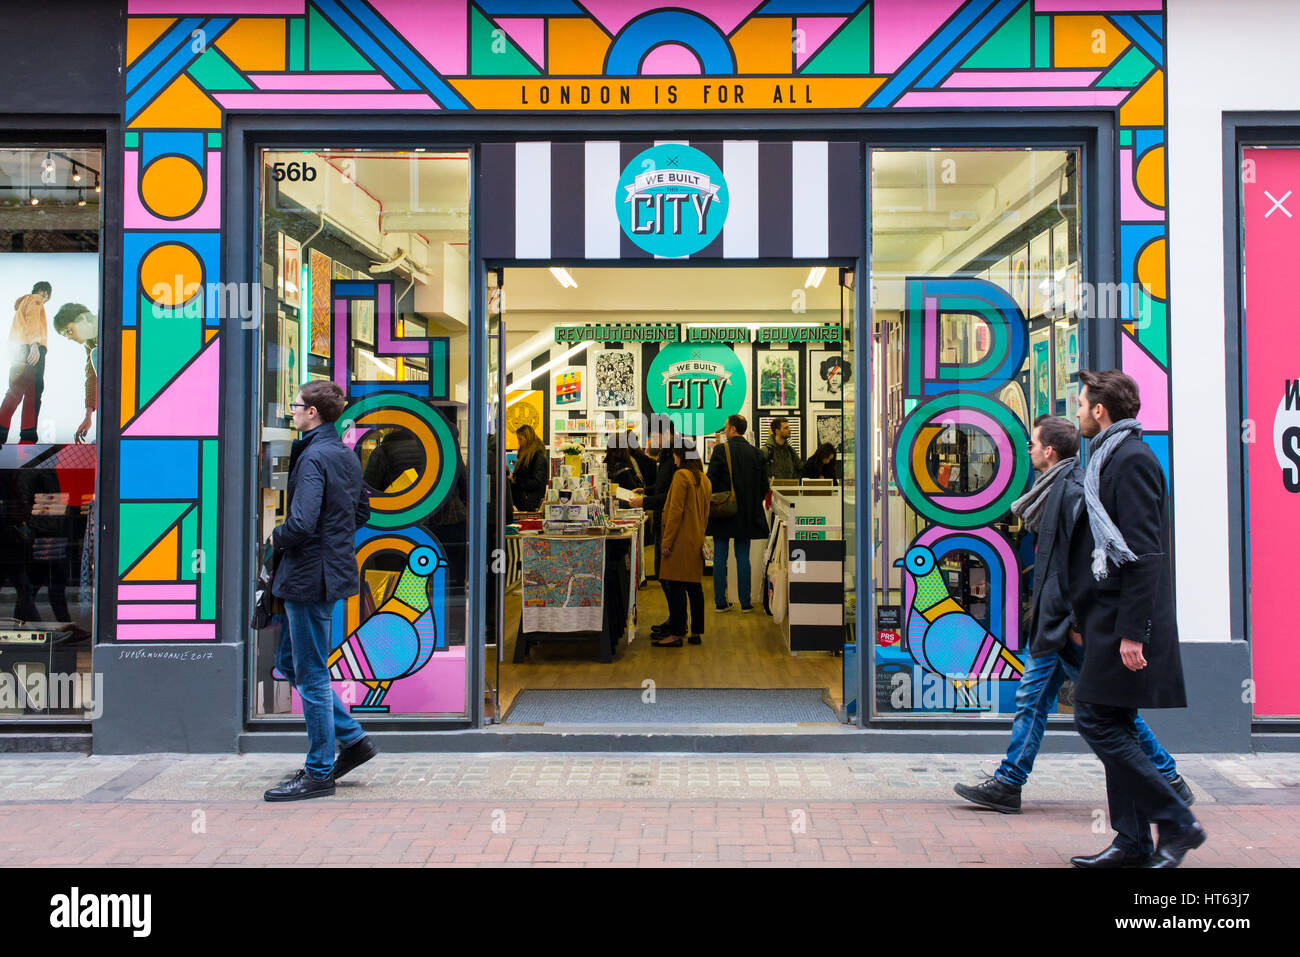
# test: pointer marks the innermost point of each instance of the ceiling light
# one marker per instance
(815, 276)
(35, 201)
(81, 197)
(563, 278)
(76, 175)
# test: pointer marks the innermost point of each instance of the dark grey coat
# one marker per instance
(1049, 606)
(327, 503)
(1136, 600)
(751, 486)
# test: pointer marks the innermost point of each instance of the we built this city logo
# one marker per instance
(672, 200)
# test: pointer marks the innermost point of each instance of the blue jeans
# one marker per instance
(1036, 699)
(301, 654)
(720, 548)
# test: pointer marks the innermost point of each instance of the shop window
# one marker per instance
(365, 276)
(975, 292)
(51, 235)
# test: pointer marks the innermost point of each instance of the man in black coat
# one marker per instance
(663, 434)
(318, 568)
(745, 472)
(1121, 592)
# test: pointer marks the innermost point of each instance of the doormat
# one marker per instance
(676, 706)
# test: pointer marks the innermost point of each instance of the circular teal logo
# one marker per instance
(697, 385)
(672, 200)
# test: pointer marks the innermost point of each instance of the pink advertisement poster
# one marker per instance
(1271, 238)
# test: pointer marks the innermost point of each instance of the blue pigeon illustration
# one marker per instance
(941, 635)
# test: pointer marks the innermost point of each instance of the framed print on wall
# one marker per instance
(1020, 279)
(617, 380)
(1040, 272)
(321, 267)
(568, 389)
(1061, 332)
(828, 374)
(1040, 371)
(778, 379)
(292, 269)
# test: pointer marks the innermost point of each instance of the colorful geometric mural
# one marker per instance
(191, 62)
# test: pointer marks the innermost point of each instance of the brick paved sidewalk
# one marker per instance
(570, 810)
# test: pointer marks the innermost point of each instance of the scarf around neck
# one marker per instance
(1108, 542)
(1029, 507)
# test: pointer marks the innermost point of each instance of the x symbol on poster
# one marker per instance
(672, 161)
(1277, 204)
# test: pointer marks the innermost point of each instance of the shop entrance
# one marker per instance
(593, 361)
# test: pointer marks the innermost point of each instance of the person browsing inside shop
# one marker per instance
(686, 514)
(783, 462)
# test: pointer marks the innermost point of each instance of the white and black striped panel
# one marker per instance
(816, 583)
(551, 200)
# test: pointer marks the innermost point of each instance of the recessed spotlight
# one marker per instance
(563, 278)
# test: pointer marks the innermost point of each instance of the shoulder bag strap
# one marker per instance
(731, 474)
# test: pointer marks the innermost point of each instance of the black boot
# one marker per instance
(994, 794)
(300, 787)
(1114, 856)
(353, 756)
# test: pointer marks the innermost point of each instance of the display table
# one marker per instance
(578, 586)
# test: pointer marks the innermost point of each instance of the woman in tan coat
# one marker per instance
(686, 512)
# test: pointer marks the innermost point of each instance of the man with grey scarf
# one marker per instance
(1048, 510)
(1121, 592)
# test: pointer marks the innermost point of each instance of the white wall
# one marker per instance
(1221, 57)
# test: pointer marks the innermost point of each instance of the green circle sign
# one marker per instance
(697, 385)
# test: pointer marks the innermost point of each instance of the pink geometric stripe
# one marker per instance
(167, 632)
(156, 592)
(326, 101)
(438, 32)
(155, 612)
(1153, 384)
(1132, 207)
(1012, 98)
(1097, 6)
(978, 667)
(528, 33)
(670, 59)
(1010, 79)
(726, 15)
(190, 404)
(214, 8)
(320, 81)
(816, 31)
(900, 27)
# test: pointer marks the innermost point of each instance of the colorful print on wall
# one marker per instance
(828, 374)
(1271, 240)
(567, 389)
(321, 274)
(698, 385)
(391, 56)
(778, 379)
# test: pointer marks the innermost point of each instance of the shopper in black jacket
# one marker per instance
(664, 434)
(822, 464)
(326, 504)
(745, 472)
(532, 471)
(1121, 593)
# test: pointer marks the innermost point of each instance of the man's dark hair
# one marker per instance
(1114, 390)
(1058, 433)
(68, 313)
(777, 421)
(327, 398)
(738, 423)
(44, 287)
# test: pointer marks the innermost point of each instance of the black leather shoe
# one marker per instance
(1182, 790)
(301, 787)
(1113, 857)
(353, 756)
(1170, 853)
(992, 793)
(695, 639)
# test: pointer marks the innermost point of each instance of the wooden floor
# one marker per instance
(738, 651)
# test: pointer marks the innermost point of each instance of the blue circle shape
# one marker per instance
(646, 32)
(672, 200)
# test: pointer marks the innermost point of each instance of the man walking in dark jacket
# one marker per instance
(736, 466)
(1048, 510)
(318, 567)
(1121, 593)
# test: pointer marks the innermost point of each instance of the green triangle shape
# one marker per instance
(328, 50)
(1009, 48)
(846, 53)
(212, 71)
(492, 53)
(141, 525)
(169, 338)
(1128, 71)
(189, 544)
(1152, 327)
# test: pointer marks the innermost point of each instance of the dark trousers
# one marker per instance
(26, 385)
(1137, 792)
(678, 595)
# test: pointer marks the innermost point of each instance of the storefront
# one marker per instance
(896, 229)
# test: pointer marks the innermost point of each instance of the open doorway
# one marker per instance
(594, 361)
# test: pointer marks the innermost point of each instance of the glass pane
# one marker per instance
(50, 233)
(975, 266)
(365, 274)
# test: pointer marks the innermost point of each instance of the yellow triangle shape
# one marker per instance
(182, 106)
(141, 32)
(1146, 107)
(159, 564)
